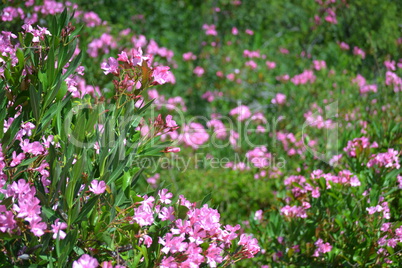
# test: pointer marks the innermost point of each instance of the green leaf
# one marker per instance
(86, 209)
(206, 199)
(35, 100)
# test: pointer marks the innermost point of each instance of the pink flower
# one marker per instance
(92, 19)
(283, 50)
(111, 66)
(189, 56)
(86, 261)
(38, 228)
(170, 123)
(210, 29)
(235, 31)
(390, 65)
(359, 52)
(343, 46)
(199, 71)
(164, 196)
(319, 64)
(250, 245)
(270, 64)
(251, 64)
(97, 187)
(194, 135)
(230, 76)
(154, 179)
(305, 77)
(166, 213)
(214, 255)
(7, 222)
(388, 160)
(57, 228)
(331, 17)
(161, 75)
(242, 112)
(17, 159)
(249, 32)
(279, 99)
(321, 248)
(258, 215)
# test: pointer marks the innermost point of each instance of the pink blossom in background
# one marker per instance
(359, 52)
(258, 215)
(218, 127)
(259, 118)
(210, 29)
(331, 16)
(11, 13)
(270, 64)
(319, 64)
(279, 99)
(194, 135)
(154, 179)
(251, 54)
(305, 77)
(235, 31)
(343, 46)
(252, 64)
(335, 159)
(139, 41)
(242, 112)
(189, 56)
(392, 79)
(359, 80)
(317, 20)
(249, 32)
(368, 88)
(199, 71)
(92, 19)
(103, 44)
(390, 65)
(211, 95)
(321, 248)
(283, 78)
(283, 50)
(231, 76)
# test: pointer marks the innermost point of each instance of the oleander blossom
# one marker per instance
(242, 112)
(358, 145)
(86, 261)
(182, 245)
(321, 247)
(389, 159)
(194, 135)
(97, 187)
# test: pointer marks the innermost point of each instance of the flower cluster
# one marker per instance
(194, 239)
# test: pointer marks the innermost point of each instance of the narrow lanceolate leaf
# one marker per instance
(35, 101)
(86, 209)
